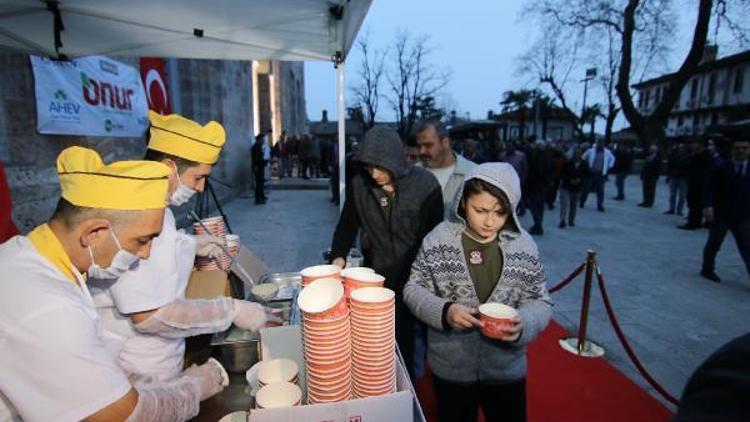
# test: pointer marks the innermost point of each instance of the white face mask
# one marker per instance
(122, 262)
(182, 194)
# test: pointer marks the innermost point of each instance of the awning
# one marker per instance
(293, 30)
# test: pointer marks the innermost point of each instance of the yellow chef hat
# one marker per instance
(124, 185)
(184, 138)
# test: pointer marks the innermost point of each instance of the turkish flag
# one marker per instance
(155, 81)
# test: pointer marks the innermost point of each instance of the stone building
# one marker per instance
(203, 90)
(718, 94)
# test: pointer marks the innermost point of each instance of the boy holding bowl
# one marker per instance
(481, 256)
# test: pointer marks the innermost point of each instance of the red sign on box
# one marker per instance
(155, 82)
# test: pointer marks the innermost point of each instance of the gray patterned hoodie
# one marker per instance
(440, 276)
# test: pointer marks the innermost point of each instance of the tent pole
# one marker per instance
(342, 135)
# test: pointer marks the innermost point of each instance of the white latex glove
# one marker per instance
(251, 316)
(209, 378)
(208, 245)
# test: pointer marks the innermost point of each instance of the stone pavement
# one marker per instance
(673, 318)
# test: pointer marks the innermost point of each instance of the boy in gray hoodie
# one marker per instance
(481, 256)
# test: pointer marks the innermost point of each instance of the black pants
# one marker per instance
(535, 203)
(405, 335)
(649, 190)
(459, 402)
(260, 181)
(620, 183)
(719, 229)
(595, 184)
(695, 205)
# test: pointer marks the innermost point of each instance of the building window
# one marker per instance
(711, 88)
(680, 120)
(739, 80)
(647, 101)
(694, 89)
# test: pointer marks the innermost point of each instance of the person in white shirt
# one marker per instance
(147, 306)
(58, 361)
(437, 156)
(600, 160)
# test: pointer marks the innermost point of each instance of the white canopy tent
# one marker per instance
(292, 30)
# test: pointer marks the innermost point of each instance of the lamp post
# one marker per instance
(590, 74)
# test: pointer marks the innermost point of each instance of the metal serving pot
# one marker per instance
(237, 355)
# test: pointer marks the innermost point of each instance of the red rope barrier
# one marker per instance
(569, 278)
(629, 350)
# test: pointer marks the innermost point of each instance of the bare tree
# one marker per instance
(371, 70)
(550, 62)
(411, 79)
(644, 30)
(650, 128)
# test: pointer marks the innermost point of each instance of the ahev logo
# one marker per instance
(105, 94)
(61, 105)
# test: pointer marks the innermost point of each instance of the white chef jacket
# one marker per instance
(56, 362)
(157, 281)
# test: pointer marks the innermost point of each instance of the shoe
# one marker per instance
(536, 231)
(669, 212)
(571, 223)
(600, 209)
(680, 213)
(562, 225)
(619, 198)
(710, 275)
(581, 205)
(687, 227)
(644, 205)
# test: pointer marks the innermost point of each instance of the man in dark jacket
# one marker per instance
(719, 388)
(649, 176)
(395, 205)
(623, 166)
(537, 183)
(728, 207)
(699, 165)
(259, 166)
(677, 173)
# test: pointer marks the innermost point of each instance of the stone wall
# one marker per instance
(210, 90)
(293, 107)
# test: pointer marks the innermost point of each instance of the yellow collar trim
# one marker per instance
(49, 246)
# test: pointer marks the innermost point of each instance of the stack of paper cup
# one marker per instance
(373, 333)
(216, 227)
(326, 340)
(233, 244)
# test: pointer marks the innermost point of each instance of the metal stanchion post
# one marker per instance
(579, 345)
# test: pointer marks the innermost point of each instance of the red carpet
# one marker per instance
(563, 387)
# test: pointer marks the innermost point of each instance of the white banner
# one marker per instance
(93, 96)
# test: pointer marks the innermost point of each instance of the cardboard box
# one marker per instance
(401, 406)
(208, 285)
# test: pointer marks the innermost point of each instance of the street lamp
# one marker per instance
(590, 74)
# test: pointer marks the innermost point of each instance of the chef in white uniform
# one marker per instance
(148, 306)
(57, 362)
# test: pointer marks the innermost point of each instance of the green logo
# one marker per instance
(108, 125)
(60, 95)
(84, 79)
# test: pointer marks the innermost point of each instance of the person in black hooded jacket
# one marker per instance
(396, 205)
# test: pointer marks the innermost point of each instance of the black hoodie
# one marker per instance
(415, 210)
